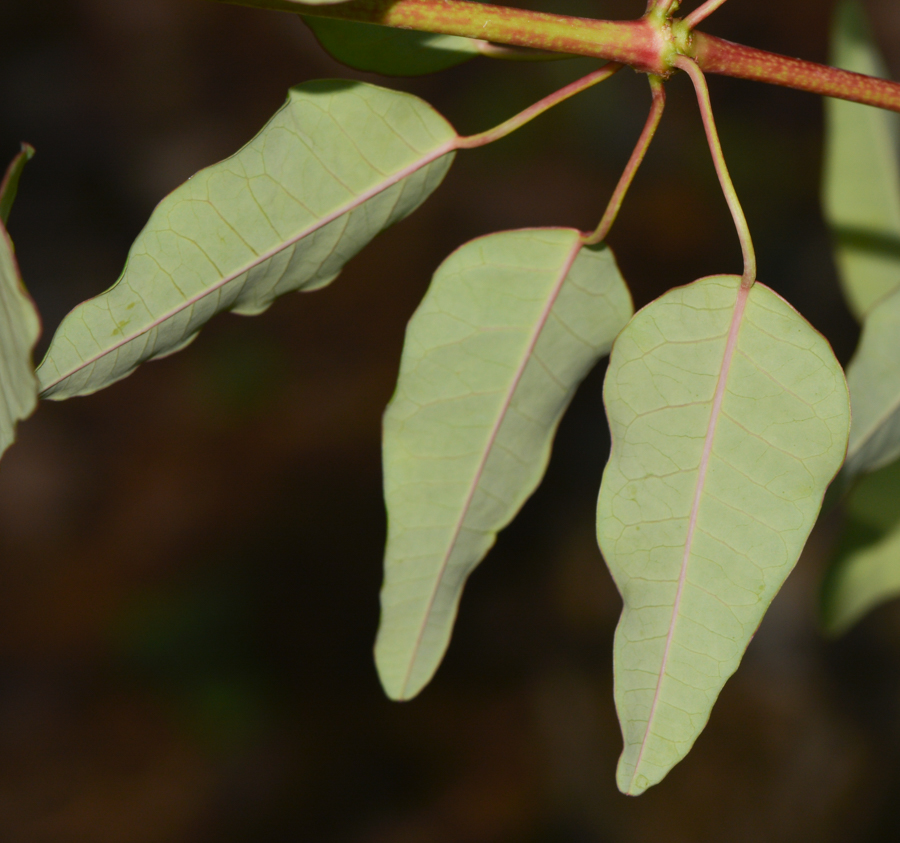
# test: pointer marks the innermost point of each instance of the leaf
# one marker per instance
(9, 186)
(510, 326)
(874, 380)
(861, 183)
(20, 328)
(339, 163)
(390, 51)
(729, 416)
(866, 569)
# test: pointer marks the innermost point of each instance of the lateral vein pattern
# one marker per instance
(335, 166)
(511, 324)
(729, 416)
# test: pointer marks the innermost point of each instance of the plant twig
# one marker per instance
(646, 44)
(715, 55)
(715, 147)
(631, 168)
(523, 117)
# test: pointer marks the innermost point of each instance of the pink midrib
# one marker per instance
(356, 202)
(733, 331)
(492, 438)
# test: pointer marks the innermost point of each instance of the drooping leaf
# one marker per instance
(384, 49)
(866, 569)
(9, 186)
(510, 326)
(861, 185)
(20, 328)
(729, 415)
(874, 380)
(336, 165)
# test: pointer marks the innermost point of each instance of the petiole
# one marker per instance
(523, 117)
(715, 147)
(631, 168)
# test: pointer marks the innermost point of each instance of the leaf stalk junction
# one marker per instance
(657, 44)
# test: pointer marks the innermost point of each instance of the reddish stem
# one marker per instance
(715, 55)
(649, 45)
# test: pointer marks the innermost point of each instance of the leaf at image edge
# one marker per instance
(874, 380)
(698, 563)
(861, 179)
(510, 326)
(337, 164)
(20, 328)
(865, 570)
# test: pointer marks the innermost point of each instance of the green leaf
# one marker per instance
(874, 380)
(384, 49)
(9, 186)
(866, 569)
(729, 415)
(861, 184)
(339, 163)
(20, 328)
(510, 326)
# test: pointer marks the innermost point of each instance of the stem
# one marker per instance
(715, 147)
(715, 55)
(523, 117)
(702, 12)
(648, 45)
(639, 43)
(631, 168)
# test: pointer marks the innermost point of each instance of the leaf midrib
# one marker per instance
(730, 346)
(492, 438)
(361, 199)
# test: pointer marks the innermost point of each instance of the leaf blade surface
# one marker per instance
(729, 416)
(390, 51)
(510, 325)
(335, 166)
(861, 180)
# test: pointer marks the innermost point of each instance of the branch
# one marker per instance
(638, 43)
(651, 44)
(715, 55)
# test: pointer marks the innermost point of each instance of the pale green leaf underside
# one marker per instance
(20, 328)
(866, 570)
(384, 49)
(336, 165)
(874, 380)
(509, 327)
(861, 184)
(726, 427)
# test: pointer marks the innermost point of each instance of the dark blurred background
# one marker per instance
(190, 560)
